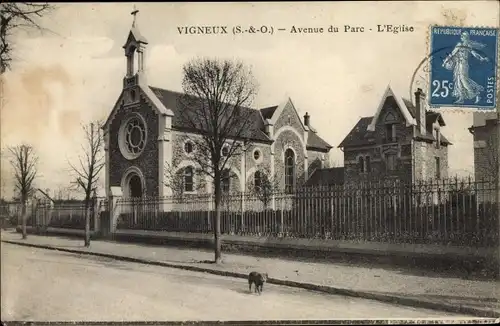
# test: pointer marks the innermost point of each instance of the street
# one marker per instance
(45, 285)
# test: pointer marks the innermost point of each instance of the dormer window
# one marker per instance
(390, 132)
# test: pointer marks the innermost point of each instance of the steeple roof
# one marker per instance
(135, 35)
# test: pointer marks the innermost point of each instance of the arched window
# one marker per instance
(188, 179)
(225, 150)
(188, 147)
(226, 184)
(257, 181)
(289, 170)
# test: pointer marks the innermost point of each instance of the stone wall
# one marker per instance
(486, 151)
(425, 160)
(290, 118)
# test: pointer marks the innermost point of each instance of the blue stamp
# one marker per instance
(463, 67)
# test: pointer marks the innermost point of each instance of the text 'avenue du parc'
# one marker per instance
(294, 29)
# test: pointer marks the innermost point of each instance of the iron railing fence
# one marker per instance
(452, 211)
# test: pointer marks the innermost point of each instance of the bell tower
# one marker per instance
(135, 46)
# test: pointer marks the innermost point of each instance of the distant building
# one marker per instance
(486, 135)
(401, 141)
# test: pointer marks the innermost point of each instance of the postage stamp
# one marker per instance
(463, 67)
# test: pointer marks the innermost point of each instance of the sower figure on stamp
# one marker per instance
(458, 60)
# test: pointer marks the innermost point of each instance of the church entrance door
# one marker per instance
(135, 192)
(135, 186)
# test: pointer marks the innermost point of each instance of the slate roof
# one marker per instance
(326, 177)
(255, 131)
(134, 32)
(360, 136)
(267, 113)
(316, 142)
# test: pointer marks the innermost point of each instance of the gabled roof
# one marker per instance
(156, 104)
(359, 135)
(410, 120)
(363, 135)
(167, 102)
(135, 35)
(326, 177)
(279, 109)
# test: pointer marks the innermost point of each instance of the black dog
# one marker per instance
(258, 279)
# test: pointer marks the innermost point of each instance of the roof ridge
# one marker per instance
(182, 93)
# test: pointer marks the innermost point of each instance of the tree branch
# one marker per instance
(91, 161)
(15, 16)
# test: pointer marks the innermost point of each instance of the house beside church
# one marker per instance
(401, 141)
(144, 135)
(486, 136)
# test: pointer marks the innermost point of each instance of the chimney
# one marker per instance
(420, 110)
(306, 119)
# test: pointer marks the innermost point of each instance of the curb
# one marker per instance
(393, 299)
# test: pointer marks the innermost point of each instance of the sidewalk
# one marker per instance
(479, 298)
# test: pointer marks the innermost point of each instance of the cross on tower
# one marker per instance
(134, 13)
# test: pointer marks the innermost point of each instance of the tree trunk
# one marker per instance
(218, 244)
(87, 223)
(24, 218)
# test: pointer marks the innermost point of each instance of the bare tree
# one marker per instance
(89, 167)
(215, 106)
(16, 16)
(24, 161)
(264, 185)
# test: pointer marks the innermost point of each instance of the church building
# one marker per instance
(144, 135)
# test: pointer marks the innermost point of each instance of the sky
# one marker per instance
(72, 73)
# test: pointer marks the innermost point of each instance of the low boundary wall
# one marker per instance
(421, 256)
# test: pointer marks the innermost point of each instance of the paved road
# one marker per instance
(46, 285)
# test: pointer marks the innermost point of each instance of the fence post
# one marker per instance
(242, 212)
(96, 212)
(48, 212)
(114, 210)
(282, 229)
(209, 211)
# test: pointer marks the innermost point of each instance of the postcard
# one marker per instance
(250, 162)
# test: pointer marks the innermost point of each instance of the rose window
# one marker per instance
(135, 136)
